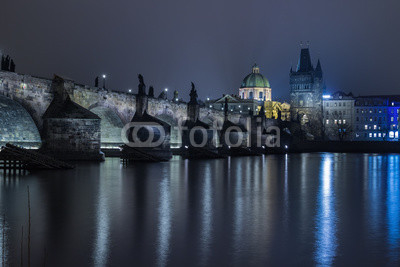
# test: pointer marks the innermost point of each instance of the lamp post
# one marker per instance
(104, 81)
(166, 93)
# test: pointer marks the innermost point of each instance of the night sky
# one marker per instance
(212, 43)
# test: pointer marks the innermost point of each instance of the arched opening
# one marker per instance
(110, 126)
(173, 122)
(16, 125)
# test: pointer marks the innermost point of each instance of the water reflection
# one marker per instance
(207, 215)
(164, 224)
(326, 242)
(101, 250)
(393, 207)
(296, 209)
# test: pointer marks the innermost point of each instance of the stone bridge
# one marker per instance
(30, 96)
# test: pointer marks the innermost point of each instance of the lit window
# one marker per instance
(366, 127)
(379, 135)
(340, 121)
(327, 121)
(391, 134)
(374, 127)
(344, 121)
(370, 134)
(335, 121)
(370, 119)
(391, 119)
(374, 134)
(396, 134)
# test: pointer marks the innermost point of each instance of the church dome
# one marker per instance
(255, 79)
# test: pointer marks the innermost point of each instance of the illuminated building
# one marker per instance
(376, 118)
(255, 86)
(338, 114)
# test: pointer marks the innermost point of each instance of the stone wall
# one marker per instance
(35, 95)
(72, 138)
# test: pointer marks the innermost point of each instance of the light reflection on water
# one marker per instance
(326, 216)
(393, 208)
(164, 224)
(298, 209)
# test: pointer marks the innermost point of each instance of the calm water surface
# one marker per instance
(300, 209)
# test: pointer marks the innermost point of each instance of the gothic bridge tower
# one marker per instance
(306, 89)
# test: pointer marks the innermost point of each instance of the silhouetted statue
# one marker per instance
(151, 91)
(12, 66)
(141, 86)
(262, 111)
(226, 107)
(175, 96)
(7, 63)
(193, 95)
(3, 63)
(96, 82)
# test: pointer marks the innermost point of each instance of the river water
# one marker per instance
(297, 209)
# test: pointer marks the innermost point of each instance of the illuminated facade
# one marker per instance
(235, 104)
(274, 108)
(377, 118)
(362, 118)
(338, 112)
(255, 86)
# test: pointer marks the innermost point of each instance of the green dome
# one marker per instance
(255, 79)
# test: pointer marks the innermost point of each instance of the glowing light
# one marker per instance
(104, 76)
(166, 89)
(208, 99)
(286, 147)
(326, 96)
(130, 90)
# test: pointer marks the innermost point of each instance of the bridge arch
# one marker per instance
(170, 117)
(110, 126)
(16, 125)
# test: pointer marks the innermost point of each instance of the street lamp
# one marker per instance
(104, 81)
(130, 90)
(166, 93)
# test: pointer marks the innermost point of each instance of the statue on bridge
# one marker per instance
(193, 95)
(151, 91)
(141, 86)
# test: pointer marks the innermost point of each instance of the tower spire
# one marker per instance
(304, 64)
(318, 70)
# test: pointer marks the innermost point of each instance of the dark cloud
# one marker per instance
(212, 43)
